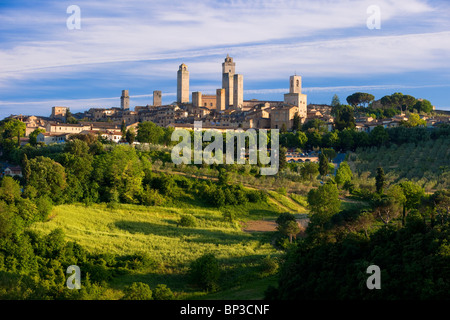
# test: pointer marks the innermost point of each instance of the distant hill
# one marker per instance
(443, 111)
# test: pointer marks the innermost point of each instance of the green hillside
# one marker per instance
(154, 233)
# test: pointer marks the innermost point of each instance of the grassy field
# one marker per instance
(154, 231)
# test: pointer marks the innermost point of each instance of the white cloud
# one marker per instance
(270, 40)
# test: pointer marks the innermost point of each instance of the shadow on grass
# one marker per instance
(199, 235)
(263, 213)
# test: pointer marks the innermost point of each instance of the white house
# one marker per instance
(13, 171)
(49, 138)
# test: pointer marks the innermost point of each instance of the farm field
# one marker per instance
(426, 162)
(154, 232)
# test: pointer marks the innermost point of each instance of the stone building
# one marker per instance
(59, 113)
(283, 116)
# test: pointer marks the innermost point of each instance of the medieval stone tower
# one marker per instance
(238, 95)
(157, 98)
(125, 100)
(295, 84)
(183, 84)
(295, 96)
(228, 70)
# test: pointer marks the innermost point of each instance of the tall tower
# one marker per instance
(125, 100)
(183, 84)
(238, 95)
(228, 70)
(296, 97)
(157, 98)
(295, 84)
(220, 99)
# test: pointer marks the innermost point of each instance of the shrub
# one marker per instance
(151, 197)
(269, 265)
(161, 292)
(205, 272)
(188, 221)
(138, 291)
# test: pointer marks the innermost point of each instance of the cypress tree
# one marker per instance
(380, 180)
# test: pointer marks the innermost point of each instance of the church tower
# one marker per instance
(295, 84)
(228, 71)
(183, 84)
(295, 96)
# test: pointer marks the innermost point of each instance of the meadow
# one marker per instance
(155, 233)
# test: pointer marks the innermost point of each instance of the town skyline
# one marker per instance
(47, 61)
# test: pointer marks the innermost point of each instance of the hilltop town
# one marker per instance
(227, 109)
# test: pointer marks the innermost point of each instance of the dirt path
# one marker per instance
(269, 225)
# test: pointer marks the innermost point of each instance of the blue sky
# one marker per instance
(138, 46)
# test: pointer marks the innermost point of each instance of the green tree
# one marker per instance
(300, 139)
(440, 201)
(360, 98)
(26, 169)
(346, 141)
(309, 171)
(70, 118)
(123, 128)
(290, 229)
(323, 164)
(78, 163)
(344, 117)
(296, 122)
(287, 225)
(314, 138)
(138, 291)
(413, 196)
(120, 172)
(414, 121)
(388, 206)
(282, 158)
(378, 136)
(33, 136)
(162, 292)
(48, 177)
(331, 139)
(130, 136)
(205, 272)
(422, 106)
(148, 132)
(323, 202)
(12, 129)
(380, 180)
(9, 190)
(343, 174)
(398, 101)
(335, 101)
(224, 177)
